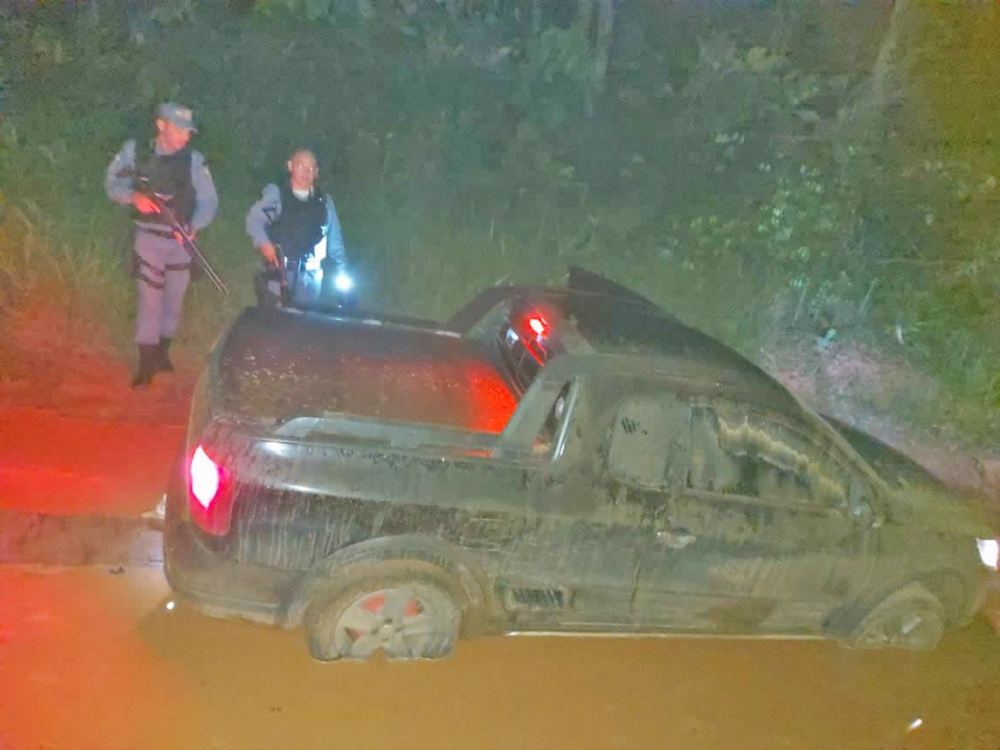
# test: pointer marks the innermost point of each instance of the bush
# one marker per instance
(461, 153)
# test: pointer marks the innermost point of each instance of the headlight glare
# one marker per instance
(989, 552)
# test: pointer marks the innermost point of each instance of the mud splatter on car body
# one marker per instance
(569, 459)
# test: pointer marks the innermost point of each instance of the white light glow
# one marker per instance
(989, 552)
(170, 605)
(319, 250)
(343, 282)
(205, 477)
(915, 724)
(276, 448)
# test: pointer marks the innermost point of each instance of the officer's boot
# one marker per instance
(148, 358)
(163, 363)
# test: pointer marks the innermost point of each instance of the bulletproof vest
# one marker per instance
(169, 175)
(300, 225)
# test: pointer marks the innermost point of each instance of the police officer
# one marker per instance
(301, 220)
(161, 264)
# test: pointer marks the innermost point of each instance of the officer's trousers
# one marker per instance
(162, 271)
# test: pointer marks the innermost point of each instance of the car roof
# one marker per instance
(635, 333)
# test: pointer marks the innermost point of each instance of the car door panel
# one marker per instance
(593, 559)
(699, 563)
(747, 525)
(812, 554)
(816, 559)
(693, 556)
(575, 564)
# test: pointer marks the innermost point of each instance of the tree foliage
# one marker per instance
(466, 144)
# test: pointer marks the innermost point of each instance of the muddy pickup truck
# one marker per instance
(549, 460)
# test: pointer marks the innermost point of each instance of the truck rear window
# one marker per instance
(524, 343)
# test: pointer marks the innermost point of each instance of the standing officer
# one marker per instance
(301, 220)
(161, 264)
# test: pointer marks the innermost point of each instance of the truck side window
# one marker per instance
(757, 457)
(649, 440)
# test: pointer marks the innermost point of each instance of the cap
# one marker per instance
(180, 116)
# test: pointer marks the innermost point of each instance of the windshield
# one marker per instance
(894, 467)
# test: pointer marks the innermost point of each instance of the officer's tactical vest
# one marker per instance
(168, 175)
(300, 225)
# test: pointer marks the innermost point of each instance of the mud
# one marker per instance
(54, 463)
(95, 661)
(43, 539)
(276, 366)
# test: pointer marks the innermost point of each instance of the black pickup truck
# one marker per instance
(549, 460)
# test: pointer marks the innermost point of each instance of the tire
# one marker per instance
(910, 618)
(408, 614)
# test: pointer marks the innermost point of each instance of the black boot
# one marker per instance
(163, 363)
(148, 357)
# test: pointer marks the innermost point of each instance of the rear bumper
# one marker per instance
(214, 585)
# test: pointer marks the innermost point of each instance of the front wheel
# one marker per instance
(911, 618)
(407, 617)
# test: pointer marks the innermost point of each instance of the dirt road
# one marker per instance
(54, 463)
(94, 658)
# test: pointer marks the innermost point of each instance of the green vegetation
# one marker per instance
(467, 145)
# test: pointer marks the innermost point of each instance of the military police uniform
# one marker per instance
(161, 263)
(300, 226)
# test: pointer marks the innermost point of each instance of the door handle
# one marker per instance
(675, 538)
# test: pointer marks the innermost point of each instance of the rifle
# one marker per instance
(141, 182)
(281, 263)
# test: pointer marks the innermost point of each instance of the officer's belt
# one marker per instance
(157, 271)
(166, 233)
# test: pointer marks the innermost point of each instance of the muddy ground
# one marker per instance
(98, 658)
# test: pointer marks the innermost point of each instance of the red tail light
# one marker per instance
(211, 499)
(537, 325)
(206, 478)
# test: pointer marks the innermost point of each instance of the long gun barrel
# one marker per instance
(282, 269)
(142, 185)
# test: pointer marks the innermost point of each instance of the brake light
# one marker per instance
(537, 325)
(211, 493)
(206, 478)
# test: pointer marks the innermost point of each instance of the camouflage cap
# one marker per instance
(180, 116)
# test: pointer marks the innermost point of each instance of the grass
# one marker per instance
(51, 295)
(449, 178)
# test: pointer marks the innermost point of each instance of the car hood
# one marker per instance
(917, 497)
